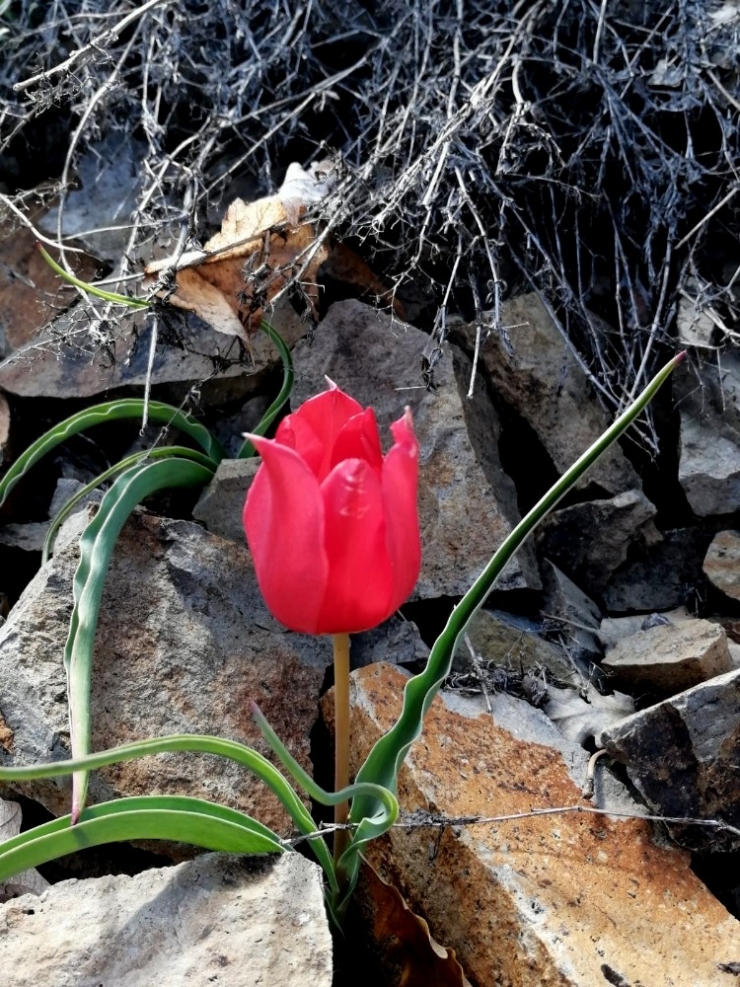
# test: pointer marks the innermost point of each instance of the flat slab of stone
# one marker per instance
(682, 755)
(467, 504)
(568, 900)
(722, 563)
(219, 919)
(670, 657)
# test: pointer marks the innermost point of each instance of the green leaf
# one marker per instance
(109, 411)
(96, 548)
(384, 760)
(230, 749)
(153, 817)
(91, 289)
(158, 453)
(247, 450)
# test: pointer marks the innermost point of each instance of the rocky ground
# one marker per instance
(571, 814)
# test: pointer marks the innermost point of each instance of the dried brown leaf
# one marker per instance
(410, 955)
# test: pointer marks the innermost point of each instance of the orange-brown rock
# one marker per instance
(568, 900)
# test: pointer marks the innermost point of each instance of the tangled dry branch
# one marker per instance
(587, 151)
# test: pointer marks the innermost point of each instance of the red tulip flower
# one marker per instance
(332, 523)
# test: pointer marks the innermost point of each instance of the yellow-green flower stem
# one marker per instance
(341, 736)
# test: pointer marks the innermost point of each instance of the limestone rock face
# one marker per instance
(670, 657)
(538, 376)
(219, 919)
(184, 644)
(567, 900)
(682, 756)
(467, 504)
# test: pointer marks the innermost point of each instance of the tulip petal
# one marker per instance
(360, 578)
(359, 439)
(312, 430)
(400, 480)
(284, 525)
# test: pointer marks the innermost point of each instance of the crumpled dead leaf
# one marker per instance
(263, 245)
(580, 719)
(30, 881)
(409, 954)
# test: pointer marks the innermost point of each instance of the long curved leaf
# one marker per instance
(159, 453)
(384, 760)
(99, 414)
(91, 289)
(150, 817)
(96, 548)
(241, 754)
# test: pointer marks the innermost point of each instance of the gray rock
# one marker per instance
(220, 919)
(566, 608)
(662, 576)
(682, 756)
(612, 630)
(183, 645)
(67, 361)
(535, 373)
(722, 563)
(467, 504)
(515, 643)
(221, 504)
(708, 395)
(590, 541)
(670, 658)
(109, 175)
(29, 537)
(709, 469)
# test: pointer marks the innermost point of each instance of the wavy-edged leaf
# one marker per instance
(147, 817)
(232, 750)
(384, 760)
(138, 457)
(96, 548)
(109, 411)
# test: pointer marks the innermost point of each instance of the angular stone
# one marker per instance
(467, 505)
(221, 504)
(514, 643)
(612, 630)
(220, 919)
(663, 576)
(709, 402)
(537, 375)
(568, 609)
(184, 644)
(709, 469)
(568, 900)
(682, 756)
(670, 657)
(590, 541)
(722, 563)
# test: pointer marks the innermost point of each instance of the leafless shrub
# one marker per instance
(585, 150)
